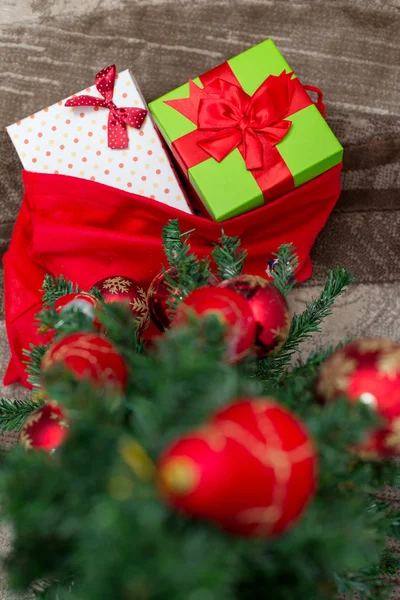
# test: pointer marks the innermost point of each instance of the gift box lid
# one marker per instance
(73, 141)
(227, 188)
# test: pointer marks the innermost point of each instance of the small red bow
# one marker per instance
(118, 118)
(239, 120)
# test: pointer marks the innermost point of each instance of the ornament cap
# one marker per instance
(179, 476)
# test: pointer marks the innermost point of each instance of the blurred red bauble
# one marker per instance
(87, 356)
(45, 429)
(81, 301)
(158, 295)
(269, 308)
(251, 469)
(368, 371)
(230, 308)
(124, 289)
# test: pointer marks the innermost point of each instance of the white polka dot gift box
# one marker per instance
(103, 134)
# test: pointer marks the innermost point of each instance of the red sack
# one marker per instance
(88, 231)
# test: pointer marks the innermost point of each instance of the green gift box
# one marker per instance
(246, 132)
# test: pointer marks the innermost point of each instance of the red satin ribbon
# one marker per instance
(119, 117)
(236, 119)
(228, 118)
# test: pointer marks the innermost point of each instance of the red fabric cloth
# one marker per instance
(88, 231)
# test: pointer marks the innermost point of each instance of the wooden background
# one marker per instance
(349, 48)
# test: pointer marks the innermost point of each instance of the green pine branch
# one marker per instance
(306, 368)
(190, 271)
(91, 497)
(56, 287)
(306, 324)
(96, 293)
(33, 361)
(92, 491)
(13, 413)
(228, 256)
(284, 267)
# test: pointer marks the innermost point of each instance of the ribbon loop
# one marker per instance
(119, 117)
(231, 119)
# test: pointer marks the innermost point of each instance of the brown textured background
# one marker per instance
(349, 48)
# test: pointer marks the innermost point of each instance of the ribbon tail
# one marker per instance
(219, 145)
(189, 107)
(276, 132)
(252, 150)
(117, 133)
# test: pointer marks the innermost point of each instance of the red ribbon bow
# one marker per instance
(239, 120)
(119, 117)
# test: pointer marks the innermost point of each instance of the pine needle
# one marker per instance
(55, 288)
(13, 413)
(190, 271)
(228, 256)
(33, 362)
(283, 268)
(304, 325)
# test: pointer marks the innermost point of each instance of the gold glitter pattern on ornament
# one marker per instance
(364, 346)
(212, 436)
(392, 439)
(335, 375)
(281, 334)
(269, 453)
(117, 285)
(255, 280)
(82, 348)
(141, 309)
(389, 362)
(24, 438)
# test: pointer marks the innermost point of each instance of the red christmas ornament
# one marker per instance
(158, 295)
(269, 308)
(45, 429)
(368, 371)
(231, 308)
(124, 289)
(88, 356)
(251, 469)
(82, 301)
